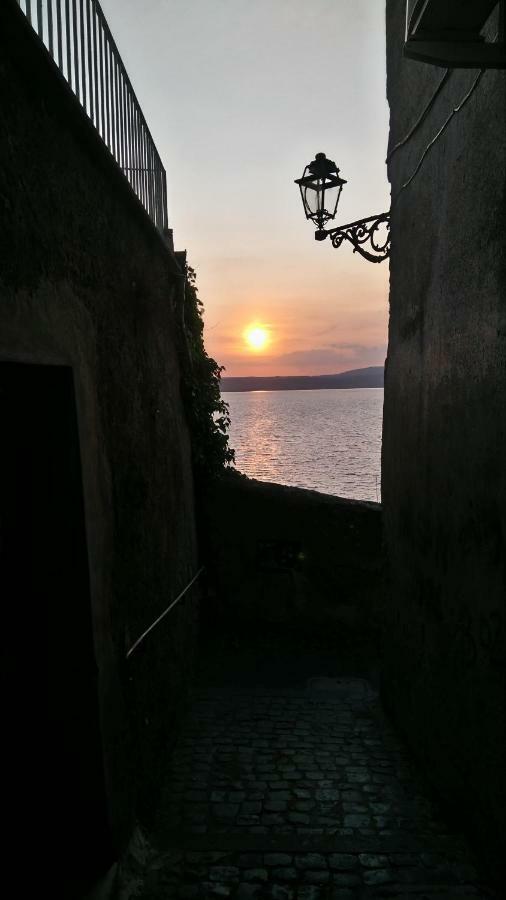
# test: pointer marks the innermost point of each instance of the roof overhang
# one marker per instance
(448, 33)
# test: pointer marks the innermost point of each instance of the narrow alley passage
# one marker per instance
(299, 791)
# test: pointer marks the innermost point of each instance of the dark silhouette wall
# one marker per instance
(294, 557)
(444, 447)
(88, 285)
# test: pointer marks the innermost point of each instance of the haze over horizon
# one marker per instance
(239, 97)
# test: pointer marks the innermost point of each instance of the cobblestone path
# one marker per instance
(300, 795)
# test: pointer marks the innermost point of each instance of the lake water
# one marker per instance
(327, 440)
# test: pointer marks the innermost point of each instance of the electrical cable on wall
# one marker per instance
(421, 118)
(443, 128)
(436, 137)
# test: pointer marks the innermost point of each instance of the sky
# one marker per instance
(239, 96)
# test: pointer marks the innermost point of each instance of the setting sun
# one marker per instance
(256, 337)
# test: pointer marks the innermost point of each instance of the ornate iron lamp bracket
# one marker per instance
(360, 233)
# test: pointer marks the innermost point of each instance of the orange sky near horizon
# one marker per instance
(239, 97)
(306, 336)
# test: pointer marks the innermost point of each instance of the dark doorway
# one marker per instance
(54, 781)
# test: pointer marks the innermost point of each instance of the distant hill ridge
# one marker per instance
(370, 377)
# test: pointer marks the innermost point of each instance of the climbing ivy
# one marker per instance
(207, 413)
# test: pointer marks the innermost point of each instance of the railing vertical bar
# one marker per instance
(140, 166)
(126, 99)
(84, 79)
(137, 162)
(133, 162)
(158, 195)
(131, 175)
(122, 89)
(67, 42)
(101, 74)
(152, 184)
(155, 187)
(117, 130)
(107, 91)
(105, 86)
(50, 39)
(164, 200)
(59, 34)
(29, 10)
(40, 29)
(150, 181)
(123, 117)
(89, 32)
(114, 115)
(95, 68)
(146, 158)
(143, 163)
(130, 135)
(114, 107)
(139, 150)
(76, 49)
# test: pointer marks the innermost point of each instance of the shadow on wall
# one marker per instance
(285, 555)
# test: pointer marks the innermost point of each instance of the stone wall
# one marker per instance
(294, 557)
(86, 282)
(443, 487)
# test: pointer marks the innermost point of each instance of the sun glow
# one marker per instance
(256, 337)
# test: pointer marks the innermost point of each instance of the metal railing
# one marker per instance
(77, 36)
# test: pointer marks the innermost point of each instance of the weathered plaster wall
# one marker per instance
(87, 282)
(444, 448)
(286, 555)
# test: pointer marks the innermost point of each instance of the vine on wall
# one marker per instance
(207, 413)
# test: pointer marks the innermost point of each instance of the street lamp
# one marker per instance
(320, 190)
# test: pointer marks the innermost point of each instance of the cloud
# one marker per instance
(327, 360)
(333, 354)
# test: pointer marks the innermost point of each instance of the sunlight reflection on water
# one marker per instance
(327, 440)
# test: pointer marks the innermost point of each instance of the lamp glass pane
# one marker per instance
(330, 200)
(313, 199)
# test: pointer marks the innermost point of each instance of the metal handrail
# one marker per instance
(162, 616)
(77, 36)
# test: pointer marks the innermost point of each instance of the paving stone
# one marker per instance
(278, 892)
(273, 819)
(354, 820)
(343, 861)
(256, 874)
(373, 860)
(224, 873)
(276, 805)
(317, 876)
(250, 807)
(378, 876)
(310, 892)
(311, 861)
(298, 818)
(285, 873)
(346, 879)
(248, 892)
(209, 889)
(277, 859)
(226, 810)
